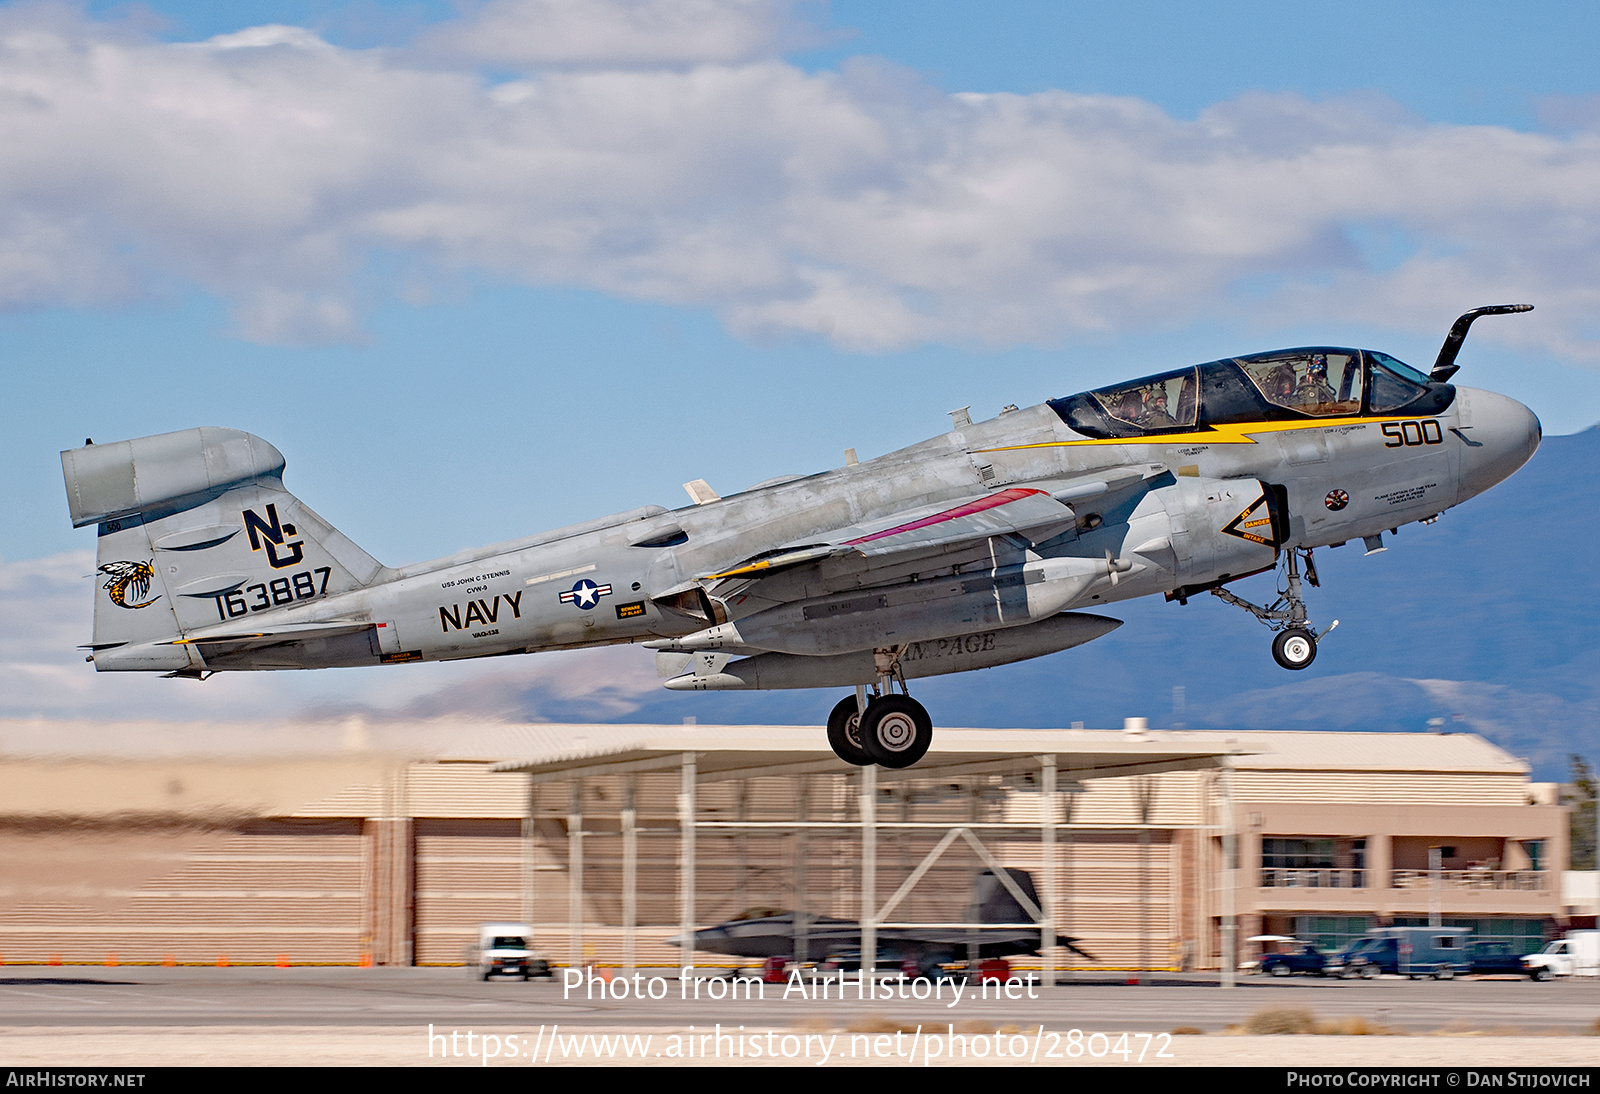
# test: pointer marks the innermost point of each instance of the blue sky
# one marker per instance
(483, 270)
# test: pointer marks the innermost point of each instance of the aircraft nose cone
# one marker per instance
(1502, 435)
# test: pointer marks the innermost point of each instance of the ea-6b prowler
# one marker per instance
(976, 548)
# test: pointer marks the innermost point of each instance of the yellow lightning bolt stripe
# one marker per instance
(791, 558)
(739, 571)
(1223, 433)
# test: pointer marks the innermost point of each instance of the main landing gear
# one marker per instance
(888, 730)
(1295, 647)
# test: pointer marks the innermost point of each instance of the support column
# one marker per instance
(741, 844)
(686, 864)
(393, 876)
(1230, 851)
(1069, 814)
(1144, 790)
(868, 806)
(973, 945)
(1047, 867)
(575, 875)
(630, 878)
(1380, 861)
(802, 905)
(1435, 886)
(393, 882)
(530, 856)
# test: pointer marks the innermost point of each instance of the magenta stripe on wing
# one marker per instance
(990, 502)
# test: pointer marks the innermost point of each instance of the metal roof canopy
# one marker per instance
(757, 751)
(719, 753)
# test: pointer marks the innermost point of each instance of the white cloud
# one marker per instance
(616, 32)
(665, 152)
(44, 681)
(273, 34)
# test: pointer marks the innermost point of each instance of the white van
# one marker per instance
(1578, 954)
(506, 948)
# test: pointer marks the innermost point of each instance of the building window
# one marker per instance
(1300, 854)
(1330, 932)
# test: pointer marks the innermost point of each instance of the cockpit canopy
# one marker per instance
(1284, 385)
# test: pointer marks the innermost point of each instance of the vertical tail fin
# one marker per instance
(196, 529)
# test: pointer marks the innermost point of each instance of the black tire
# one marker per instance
(844, 733)
(1294, 648)
(1281, 969)
(1445, 972)
(1370, 972)
(896, 731)
(1541, 974)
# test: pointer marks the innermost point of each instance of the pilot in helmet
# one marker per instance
(1155, 410)
(1314, 390)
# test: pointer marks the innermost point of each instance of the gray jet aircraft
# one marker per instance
(980, 547)
(1006, 931)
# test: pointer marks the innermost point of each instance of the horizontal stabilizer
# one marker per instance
(238, 640)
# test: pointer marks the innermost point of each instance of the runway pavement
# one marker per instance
(92, 1015)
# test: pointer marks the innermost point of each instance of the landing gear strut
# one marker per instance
(892, 731)
(1295, 647)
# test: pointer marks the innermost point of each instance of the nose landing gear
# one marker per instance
(892, 731)
(1295, 647)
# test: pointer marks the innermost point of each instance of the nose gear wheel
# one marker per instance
(1294, 648)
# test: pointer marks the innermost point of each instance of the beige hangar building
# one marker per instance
(611, 839)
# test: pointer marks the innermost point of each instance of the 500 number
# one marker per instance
(274, 594)
(1410, 434)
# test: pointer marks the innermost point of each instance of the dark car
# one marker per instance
(1371, 957)
(1298, 957)
(1495, 959)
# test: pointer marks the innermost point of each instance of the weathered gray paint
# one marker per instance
(1107, 521)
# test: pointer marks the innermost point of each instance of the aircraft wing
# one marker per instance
(770, 936)
(1013, 510)
(992, 941)
(1040, 509)
(774, 936)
